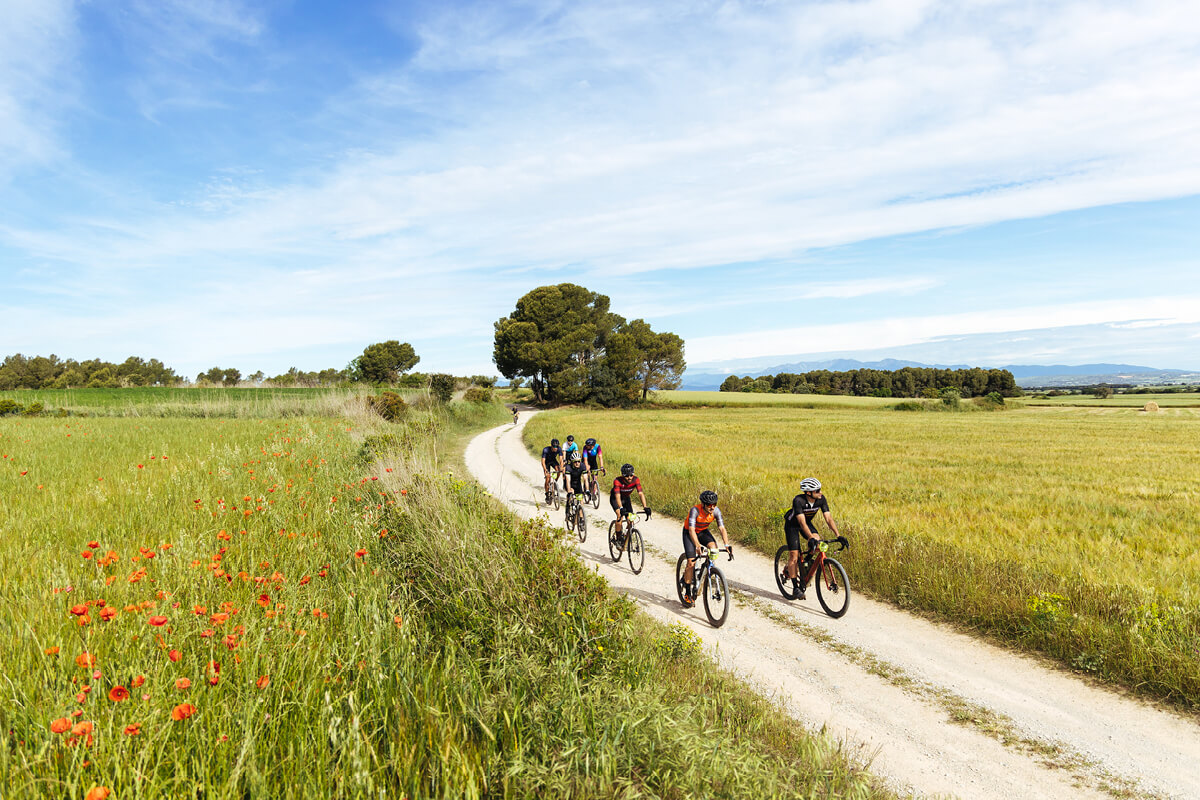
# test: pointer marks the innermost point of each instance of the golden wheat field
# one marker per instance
(1073, 531)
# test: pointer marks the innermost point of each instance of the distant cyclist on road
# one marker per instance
(552, 460)
(799, 520)
(696, 533)
(620, 497)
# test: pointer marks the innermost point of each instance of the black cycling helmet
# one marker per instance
(589, 443)
(627, 470)
(570, 437)
(554, 443)
(708, 497)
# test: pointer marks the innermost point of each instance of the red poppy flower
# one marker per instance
(174, 655)
(60, 725)
(82, 728)
(86, 660)
(107, 614)
(137, 681)
(79, 609)
(182, 711)
(52, 651)
(133, 730)
(263, 681)
(118, 693)
(360, 552)
(183, 683)
(157, 621)
(97, 793)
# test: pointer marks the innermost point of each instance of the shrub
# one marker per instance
(1102, 392)
(10, 407)
(441, 386)
(680, 642)
(951, 397)
(909, 405)
(388, 405)
(995, 398)
(33, 410)
(478, 394)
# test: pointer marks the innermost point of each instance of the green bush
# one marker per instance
(951, 397)
(388, 405)
(33, 410)
(441, 386)
(478, 394)
(995, 398)
(10, 407)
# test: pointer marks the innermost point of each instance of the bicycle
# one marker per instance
(829, 576)
(554, 497)
(708, 581)
(576, 520)
(592, 490)
(628, 541)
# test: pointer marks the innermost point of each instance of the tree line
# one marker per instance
(571, 348)
(380, 363)
(904, 382)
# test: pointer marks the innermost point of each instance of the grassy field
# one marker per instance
(224, 608)
(1069, 531)
(160, 401)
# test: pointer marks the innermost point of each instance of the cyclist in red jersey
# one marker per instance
(622, 489)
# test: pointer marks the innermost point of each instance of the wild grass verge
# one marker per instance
(317, 607)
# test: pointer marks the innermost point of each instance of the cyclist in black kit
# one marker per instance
(552, 459)
(576, 472)
(800, 520)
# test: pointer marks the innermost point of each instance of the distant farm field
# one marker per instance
(1073, 531)
(191, 401)
(714, 399)
(1163, 399)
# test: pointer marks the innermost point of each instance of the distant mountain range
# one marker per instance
(710, 376)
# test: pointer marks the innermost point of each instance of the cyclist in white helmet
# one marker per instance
(800, 520)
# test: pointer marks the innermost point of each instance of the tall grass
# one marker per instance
(391, 631)
(1067, 532)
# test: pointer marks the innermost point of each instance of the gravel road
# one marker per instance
(937, 712)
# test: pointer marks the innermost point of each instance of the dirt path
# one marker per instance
(939, 713)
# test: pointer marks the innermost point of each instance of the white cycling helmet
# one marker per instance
(810, 485)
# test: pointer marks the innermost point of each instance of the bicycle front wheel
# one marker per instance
(556, 498)
(637, 554)
(833, 588)
(615, 547)
(596, 497)
(781, 580)
(716, 597)
(580, 523)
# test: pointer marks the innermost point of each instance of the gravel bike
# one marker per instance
(592, 490)
(554, 496)
(708, 582)
(833, 586)
(576, 521)
(624, 537)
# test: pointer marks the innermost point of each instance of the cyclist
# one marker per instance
(696, 533)
(574, 475)
(800, 520)
(570, 446)
(552, 459)
(594, 456)
(623, 488)
(514, 410)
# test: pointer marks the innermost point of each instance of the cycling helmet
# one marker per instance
(810, 485)
(575, 455)
(590, 443)
(554, 443)
(708, 497)
(627, 470)
(570, 437)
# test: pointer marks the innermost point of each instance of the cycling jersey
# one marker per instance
(575, 473)
(592, 454)
(700, 518)
(571, 448)
(624, 488)
(801, 505)
(551, 455)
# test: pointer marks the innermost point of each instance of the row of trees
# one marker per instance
(51, 372)
(905, 382)
(571, 348)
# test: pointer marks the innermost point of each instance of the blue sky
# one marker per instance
(274, 184)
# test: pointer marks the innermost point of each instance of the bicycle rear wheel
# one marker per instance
(784, 583)
(615, 547)
(637, 554)
(556, 498)
(580, 523)
(833, 588)
(680, 566)
(596, 496)
(716, 596)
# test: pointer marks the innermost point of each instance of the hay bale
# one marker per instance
(1151, 406)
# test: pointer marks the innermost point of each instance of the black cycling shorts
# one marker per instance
(705, 536)
(625, 505)
(795, 537)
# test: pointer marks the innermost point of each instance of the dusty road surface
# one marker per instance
(937, 712)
